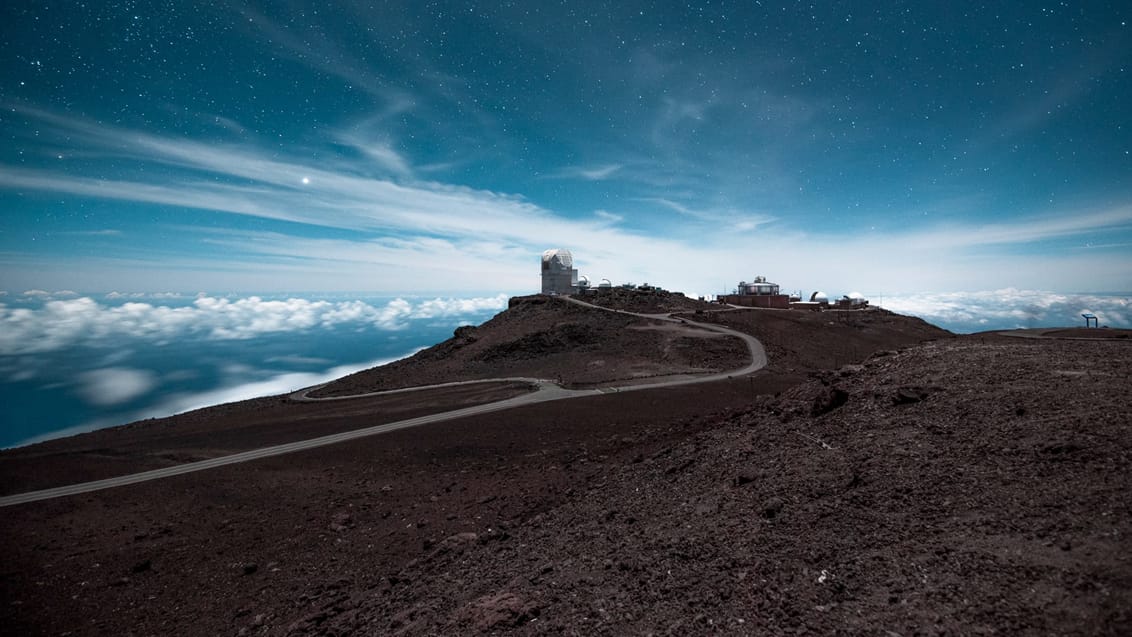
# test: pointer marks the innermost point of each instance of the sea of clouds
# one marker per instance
(71, 363)
(62, 322)
(1010, 308)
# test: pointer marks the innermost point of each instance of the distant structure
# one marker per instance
(757, 293)
(820, 301)
(558, 273)
(852, 301)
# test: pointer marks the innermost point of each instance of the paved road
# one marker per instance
(546, 391)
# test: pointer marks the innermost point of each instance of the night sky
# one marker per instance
(441, 146)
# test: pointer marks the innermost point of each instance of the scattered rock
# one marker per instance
(746, 476)
(707, 507)
(680, 466)
(1062, 448)
(772, 507)
(498, 610)
(340, 522)
(458, 540)
(141, 566)
(910, 394)
(828, 400)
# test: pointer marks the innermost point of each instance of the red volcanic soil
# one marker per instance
(548, 337)
(220, 431)
(643, 302)
(800, 341)
(1079, 332)
(967, 485)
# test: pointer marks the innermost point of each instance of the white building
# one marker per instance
(558, 273)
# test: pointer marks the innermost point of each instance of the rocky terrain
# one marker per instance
(547, 337)
(644, 302)
(968, 487)
(863, 484)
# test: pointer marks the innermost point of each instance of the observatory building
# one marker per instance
(558, 273)
(757, 293)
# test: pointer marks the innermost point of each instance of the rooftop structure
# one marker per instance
(757, 293)
(760, 287)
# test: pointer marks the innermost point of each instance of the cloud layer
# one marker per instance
(64, 323)
(1011, 308)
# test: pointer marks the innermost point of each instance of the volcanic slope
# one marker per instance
(973, 486)
(548, 337)
(302, 543)
(799, 342)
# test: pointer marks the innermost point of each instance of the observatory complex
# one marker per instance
(763, 293)
(560, 277)
(558, 273)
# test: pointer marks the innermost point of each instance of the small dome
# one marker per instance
(583, 281)
(856, 296)
(819, 297)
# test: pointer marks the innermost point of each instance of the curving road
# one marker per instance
(546, 391)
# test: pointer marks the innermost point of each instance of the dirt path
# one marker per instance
(545, 391)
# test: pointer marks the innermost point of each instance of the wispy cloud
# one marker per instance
(377, 147)
(44, 295)
(415, 234)
(1043, 227)
(115, 295)
(115, 385)
(108, 232)
(277, 383)
(313, 48)
(732, 219)
(609, 217)
(384, 155)
(589, 173)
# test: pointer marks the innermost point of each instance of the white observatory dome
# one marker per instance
(558, 257)
(855, 296)
(819, 297)
(583, 281)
